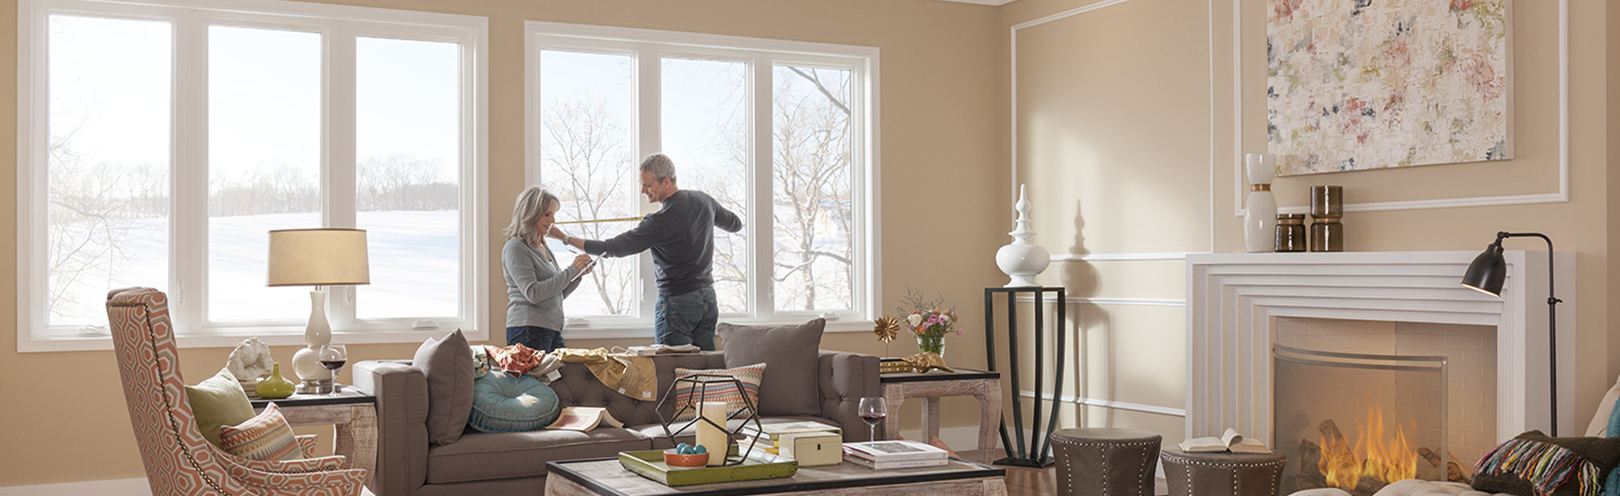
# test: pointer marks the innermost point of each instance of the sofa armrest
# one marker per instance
(402, 442)
(845, 379)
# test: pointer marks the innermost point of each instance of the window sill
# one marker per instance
(103, 342)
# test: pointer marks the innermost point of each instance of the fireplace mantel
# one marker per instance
(1232, 297)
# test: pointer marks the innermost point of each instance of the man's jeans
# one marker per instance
(687, 318)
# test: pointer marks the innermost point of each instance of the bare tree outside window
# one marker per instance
(811, 206)
(586, 163)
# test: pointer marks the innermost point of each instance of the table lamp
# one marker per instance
(317, 257)
(1487, 273)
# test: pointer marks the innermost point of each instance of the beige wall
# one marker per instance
(1125, 119)
(63, 415)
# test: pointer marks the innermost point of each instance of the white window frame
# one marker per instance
(339, 26)
(647, 47)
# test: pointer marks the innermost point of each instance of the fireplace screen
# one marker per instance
(1357, 421)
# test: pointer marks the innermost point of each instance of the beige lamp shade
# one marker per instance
(318, 257)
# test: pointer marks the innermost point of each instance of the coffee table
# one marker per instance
(605, 477)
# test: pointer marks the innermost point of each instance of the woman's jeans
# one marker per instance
(538, 338)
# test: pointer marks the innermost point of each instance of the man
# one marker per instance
(681, 237)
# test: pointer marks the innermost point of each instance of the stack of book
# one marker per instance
(883, 455)
(768, 437)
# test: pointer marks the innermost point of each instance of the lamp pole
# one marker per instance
(1552, 322)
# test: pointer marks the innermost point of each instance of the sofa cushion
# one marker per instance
(486, 456)
(791, 386)
(502, 403)
(717, 389)
(218, 401)
(448, 365)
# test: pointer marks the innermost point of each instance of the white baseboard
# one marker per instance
(115, 487)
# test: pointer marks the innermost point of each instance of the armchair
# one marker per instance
(178, 459)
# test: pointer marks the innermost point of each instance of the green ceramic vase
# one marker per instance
(275, 387)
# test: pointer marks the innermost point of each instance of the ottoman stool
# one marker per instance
(1222, 473)
(1105, 461)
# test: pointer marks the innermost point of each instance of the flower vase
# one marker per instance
(1260, 208)
(931, 344)
(275, 387)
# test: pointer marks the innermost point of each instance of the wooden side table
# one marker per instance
(352, 414)
(984, 385)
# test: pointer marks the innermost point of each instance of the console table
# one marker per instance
(353, 415)
(984, 385)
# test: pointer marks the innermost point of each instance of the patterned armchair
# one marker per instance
(178, 459)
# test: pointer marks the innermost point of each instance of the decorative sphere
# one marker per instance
(1022, 262)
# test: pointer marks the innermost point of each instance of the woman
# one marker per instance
(535, 284)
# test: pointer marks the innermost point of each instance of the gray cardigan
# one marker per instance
(534, 286)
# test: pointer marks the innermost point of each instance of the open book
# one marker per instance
(1229, 441)
(583, 418)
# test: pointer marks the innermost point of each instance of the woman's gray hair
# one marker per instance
(531, 205)
(659, 165)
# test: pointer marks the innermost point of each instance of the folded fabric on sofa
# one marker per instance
(630, 375)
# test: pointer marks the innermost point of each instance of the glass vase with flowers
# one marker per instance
(929, 320)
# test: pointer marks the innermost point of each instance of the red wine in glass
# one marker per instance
(872, 410)
(333, 357)
(333, 365)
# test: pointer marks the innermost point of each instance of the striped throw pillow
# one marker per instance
(718, 390)
(266, 436)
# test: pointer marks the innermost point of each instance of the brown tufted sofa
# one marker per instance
(515, 462)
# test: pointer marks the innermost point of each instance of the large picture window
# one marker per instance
(781, 133)
(161, 140)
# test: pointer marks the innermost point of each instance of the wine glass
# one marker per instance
(333, 356)
(873, 410)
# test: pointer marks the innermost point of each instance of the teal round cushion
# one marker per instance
(502, 403)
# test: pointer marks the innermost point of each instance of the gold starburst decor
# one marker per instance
(887, 328)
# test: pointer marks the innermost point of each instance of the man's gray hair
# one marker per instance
(659, 165)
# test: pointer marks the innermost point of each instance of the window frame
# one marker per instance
(340, 27)
(648, 48)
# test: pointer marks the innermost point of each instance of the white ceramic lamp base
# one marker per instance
(307, 362)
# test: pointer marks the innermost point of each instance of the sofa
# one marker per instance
(515, 462)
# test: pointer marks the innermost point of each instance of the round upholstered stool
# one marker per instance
(1105, 461)
(1222, 474)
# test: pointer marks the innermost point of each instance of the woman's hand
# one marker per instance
(583, 261)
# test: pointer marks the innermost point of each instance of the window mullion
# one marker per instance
(650, 139)
(189, 175)
(760, 234)
(338, 170)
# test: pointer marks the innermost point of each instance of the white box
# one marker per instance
(812, 449)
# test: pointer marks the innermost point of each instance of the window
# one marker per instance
(161, 141)
(781, 133)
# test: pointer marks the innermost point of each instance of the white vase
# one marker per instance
(1021, 259)
(1260, 208)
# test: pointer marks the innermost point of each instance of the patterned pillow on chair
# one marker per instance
(267, 436)
(688, 393)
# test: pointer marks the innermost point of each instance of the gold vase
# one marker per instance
(275, 387)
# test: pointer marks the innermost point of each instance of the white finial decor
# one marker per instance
(1022, 260)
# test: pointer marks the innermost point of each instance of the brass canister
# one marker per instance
(1290, 232)
(1327, 201)
(1327, 234)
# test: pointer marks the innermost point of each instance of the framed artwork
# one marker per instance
(1364, 84)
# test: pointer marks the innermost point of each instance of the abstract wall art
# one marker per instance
(1370, 84)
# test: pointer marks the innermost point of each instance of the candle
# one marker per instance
(711, 437)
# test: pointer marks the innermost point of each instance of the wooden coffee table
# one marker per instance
(605, 477)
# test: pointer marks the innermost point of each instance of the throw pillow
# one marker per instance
(1532, 464)
(690, 394)
(502, 403)
(1600, 422)
(793, 388)
(266, 436)
(448, 365)
(218, 401)
(516, 359)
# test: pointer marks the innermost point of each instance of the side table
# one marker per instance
(352, 414)
(984, 385)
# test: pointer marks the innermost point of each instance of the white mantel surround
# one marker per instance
(1232, 297)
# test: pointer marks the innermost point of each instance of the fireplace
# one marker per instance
(1391, 305)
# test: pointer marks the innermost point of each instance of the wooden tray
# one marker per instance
(650, 464)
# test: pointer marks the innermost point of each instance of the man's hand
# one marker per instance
(556, 232)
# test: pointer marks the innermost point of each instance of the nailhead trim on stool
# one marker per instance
(1182, 469)
(1088, 453)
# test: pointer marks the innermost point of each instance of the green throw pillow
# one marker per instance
(218, 401)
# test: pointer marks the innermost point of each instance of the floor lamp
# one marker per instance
(1486, 274)
(317, 257)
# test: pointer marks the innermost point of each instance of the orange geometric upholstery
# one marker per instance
(178, 459)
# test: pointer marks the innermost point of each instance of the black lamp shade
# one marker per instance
(1487, 271)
